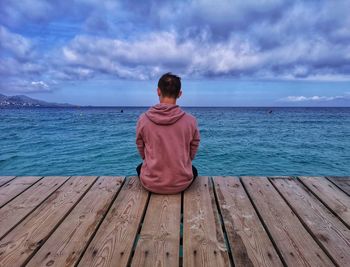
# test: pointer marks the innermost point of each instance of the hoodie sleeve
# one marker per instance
(195, 142)
(139, 140)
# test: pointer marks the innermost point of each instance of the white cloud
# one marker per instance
(40, 85)
(311, 98)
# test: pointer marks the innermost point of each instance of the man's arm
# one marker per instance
(194, 143)
(139, 141)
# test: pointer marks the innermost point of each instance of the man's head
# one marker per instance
(169, 86)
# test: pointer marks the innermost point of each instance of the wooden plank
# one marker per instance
(203, 239)
(13, 212)
(295, 244)
(113, 242)
(23, 241)
(65, 246)
(342, 182)
(159, 242)
(248, 239)
(330, 195)
(15, 187)
(330, 232)
(5, 179)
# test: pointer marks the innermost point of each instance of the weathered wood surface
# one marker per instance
(203, 239)
(20, 244)
(66, 244)
(246, 234)
(296, 245)
(342, 182)
(11, 189)
(21, 206)
(114, 239)
(327, 229)
(112, 221)
(331, 196)
(159, 242)
(5, 179)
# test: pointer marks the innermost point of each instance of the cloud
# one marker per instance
(312, 98)
(273, 40)
(26, 86)
(20, 65)
(150, 55)
(40, 85)
(14, 44)
(43, 12)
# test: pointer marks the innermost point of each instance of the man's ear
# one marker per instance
(158, 92)
(180, 93)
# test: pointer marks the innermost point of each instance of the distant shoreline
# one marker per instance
(23, 101)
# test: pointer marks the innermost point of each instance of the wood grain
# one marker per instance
(14, 211)
(330, 195)
(5, 179)
(203, 240)
(66, 244)
(113, 242)
(342, 182)
(23, 241)
(90, 221)
(15, 187)
(295, 244)
(325, 226)
(248, 239)
(159, 241)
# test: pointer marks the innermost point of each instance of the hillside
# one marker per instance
(25, 101)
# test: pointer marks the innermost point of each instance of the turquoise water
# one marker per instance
(234, 141)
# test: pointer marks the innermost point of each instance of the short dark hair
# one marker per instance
(170, 85)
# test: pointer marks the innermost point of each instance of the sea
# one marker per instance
(234, 141)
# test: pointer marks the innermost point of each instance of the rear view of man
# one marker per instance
(167, 139)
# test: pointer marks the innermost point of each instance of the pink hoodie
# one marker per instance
(167, 139)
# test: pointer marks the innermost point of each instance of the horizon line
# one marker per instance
(98, 106)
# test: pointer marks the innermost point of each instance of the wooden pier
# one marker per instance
(218, 221)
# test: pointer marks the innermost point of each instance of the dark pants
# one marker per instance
(194, 172)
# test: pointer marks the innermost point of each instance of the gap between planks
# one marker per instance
(329, 232)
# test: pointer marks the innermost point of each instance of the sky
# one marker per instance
(227, 53)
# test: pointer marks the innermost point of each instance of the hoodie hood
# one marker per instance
(165, 114)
